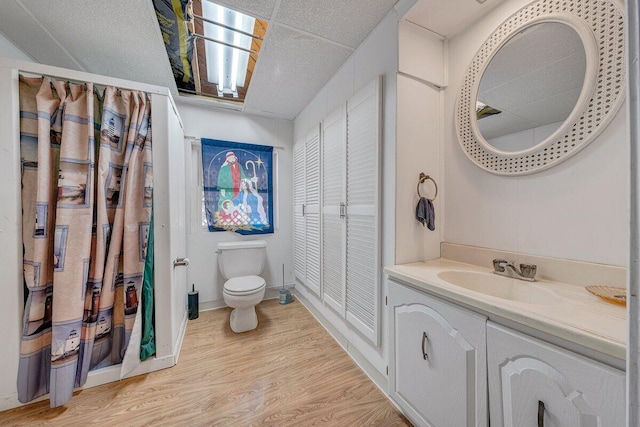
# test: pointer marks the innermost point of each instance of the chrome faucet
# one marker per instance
(508, 269)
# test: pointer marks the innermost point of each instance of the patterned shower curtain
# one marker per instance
(86, 216)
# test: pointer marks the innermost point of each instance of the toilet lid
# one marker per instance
(244, 285)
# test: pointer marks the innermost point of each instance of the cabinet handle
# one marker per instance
(303, 212)
(425, 356)
(343, 209)
(540, 413)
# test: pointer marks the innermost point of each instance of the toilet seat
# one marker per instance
(244, 285)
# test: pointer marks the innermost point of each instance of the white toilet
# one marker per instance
(240, 263)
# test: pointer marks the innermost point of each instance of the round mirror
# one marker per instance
(542, 86)
(530, 86)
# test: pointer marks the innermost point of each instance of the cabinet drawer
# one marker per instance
(529, 378)
(437, 370)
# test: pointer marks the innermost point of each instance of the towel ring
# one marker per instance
(422, 179)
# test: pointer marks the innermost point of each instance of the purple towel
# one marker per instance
(425, 213)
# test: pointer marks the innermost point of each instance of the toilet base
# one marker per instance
(243, 319)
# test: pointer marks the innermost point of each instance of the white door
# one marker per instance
(299, 233)
(532, 383)
(333, 210)
(363, 227)
(177, 212)
(438, 364)
(312, 211)
(169, 203)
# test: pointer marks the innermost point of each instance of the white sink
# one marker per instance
(499, 286)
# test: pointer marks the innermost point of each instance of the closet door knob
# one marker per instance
(180, 262)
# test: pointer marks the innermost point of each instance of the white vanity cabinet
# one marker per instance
(437, 370)
(532, 383)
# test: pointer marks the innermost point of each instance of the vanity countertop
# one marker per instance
(575, 315)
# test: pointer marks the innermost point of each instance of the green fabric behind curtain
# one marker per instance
(148, 343)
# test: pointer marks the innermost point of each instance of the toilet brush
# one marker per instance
(285, 295)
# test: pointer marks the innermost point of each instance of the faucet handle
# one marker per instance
(499, 264)
(528, 270)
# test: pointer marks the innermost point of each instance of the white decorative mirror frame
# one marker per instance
(600, 25)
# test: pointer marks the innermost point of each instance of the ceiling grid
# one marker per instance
(306, 43)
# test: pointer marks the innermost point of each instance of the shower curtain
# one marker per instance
(86, 200)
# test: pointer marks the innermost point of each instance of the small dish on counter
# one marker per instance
(609, 294)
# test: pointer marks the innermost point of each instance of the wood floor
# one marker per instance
(288, 372)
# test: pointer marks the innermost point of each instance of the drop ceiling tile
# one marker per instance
(501, 124)
(24, 31)
(538, 84)
(551, 109)
(117, 38)
(261, 9)
(531, 50)
(345, 22)
(291, 69)
(448, 17)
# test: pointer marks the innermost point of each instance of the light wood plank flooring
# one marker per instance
(288, 372)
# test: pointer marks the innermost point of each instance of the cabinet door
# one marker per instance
(312, 211)
(362, 251)
(299, 233)
(438, 366)
(333, 210)
(532, 383)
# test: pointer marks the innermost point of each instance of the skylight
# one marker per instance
(212, 49)
(228, 58)
(483, 110)
(226, 50)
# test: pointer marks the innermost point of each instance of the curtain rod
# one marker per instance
(79, 82)
(197, 139)
(96, 86)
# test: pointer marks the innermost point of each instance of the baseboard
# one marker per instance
(180, 339)
(211, 305)
(271, 292)
(365, 366)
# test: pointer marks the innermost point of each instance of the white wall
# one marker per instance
(575, 210)
(421, 54)
(11, 303)
(9, 50)
(217, 123)
(419, 146)
(377, 55)
(419, 150)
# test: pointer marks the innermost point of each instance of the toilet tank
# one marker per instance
(247, 258)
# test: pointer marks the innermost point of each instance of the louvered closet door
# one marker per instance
(299, 234)
(333, 199)
(363, 260)
(312, 210)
